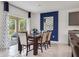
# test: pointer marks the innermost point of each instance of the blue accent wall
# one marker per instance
(55, 29)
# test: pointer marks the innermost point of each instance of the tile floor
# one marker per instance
(56, 50)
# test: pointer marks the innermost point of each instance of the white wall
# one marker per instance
(63, 24)
(35, 21)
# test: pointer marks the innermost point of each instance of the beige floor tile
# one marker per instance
(56, 50)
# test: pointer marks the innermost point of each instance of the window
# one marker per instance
(12, 23)
(16, 24)
(22, 25)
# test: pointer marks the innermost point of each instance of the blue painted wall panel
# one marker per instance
(55, 31)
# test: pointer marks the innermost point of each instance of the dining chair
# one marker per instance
(44, 39)
(28, 41)
(40, 42)
(49, 38)
(24, 41)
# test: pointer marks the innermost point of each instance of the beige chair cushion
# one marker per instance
(23, 38)
(44, 37)
(49, 36)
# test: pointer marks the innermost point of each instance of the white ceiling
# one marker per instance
(44, 6)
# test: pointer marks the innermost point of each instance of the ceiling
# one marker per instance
(44, 6)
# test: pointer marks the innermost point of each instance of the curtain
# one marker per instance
(3, 27)
(4, 18)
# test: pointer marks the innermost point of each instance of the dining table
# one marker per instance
(35, 38)
(35, 42)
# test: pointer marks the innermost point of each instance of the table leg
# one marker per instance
(35, 47)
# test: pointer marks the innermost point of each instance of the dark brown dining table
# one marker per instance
(35, 39)
(35, 44)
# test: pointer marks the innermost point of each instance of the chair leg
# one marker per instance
(29, 47)
(20, 52)
(41, 48)
(27, 50)
(72, 55)
(49, 43)
(44, 46)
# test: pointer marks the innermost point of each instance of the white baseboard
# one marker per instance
(57, 42)
(54, 42)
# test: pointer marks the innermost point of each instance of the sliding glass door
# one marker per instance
(15, 25)
(12, 26)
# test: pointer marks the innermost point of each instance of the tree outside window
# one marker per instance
(16, 24)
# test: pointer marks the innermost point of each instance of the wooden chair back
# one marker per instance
(44, 38)
(23, 38)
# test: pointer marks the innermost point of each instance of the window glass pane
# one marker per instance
(22, 25)
(11, 26)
